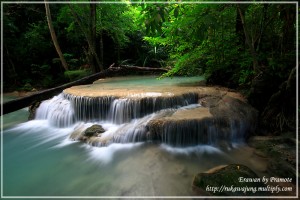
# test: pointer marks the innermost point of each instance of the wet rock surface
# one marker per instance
(32, 110)
(222, 116)
(182, 116)
(221, 181)
(94, 130)
(281, 152)
(87, 134)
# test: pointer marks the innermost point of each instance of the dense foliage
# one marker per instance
(211, 39)
(246, 46)
(29, 54)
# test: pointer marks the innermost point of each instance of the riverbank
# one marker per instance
(17, 94)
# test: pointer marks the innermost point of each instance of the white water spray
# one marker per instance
(58, 111)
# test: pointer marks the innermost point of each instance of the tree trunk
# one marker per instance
(288, 15)
(262, 26)
(101, 49)
(54, 38)
(239, 30)
(23, 102)
(87, 35)
(280, 112)
(10, 65)
(92, 32)
(248, 39)
(100, 40)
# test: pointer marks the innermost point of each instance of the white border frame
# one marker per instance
(153, 197)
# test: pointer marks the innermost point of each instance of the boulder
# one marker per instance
(230, 180)
(237, 113)
(32, 109)
(81, 132)
(281, 153)
(221, 118)
(94, 130)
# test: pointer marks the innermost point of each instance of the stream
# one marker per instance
(40, 159)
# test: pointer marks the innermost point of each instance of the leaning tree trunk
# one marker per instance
(53, 36)
(23, 102)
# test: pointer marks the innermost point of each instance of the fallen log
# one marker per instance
(137, 68)
(23, 102)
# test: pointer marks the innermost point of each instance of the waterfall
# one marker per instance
(141, 117)
(137, 130)
(65, 109)
(90, 108)
(122, 110)
(193, 132)
(58, 111)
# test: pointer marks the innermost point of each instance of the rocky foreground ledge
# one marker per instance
(240, 180)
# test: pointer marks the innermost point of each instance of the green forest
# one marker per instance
(242, 46)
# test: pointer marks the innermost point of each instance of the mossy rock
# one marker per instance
(281, 168)
(32, 109)
(27, 87)
(94, 130)
(223, 180)
(281, 153)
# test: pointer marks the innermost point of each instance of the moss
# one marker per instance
(228, 176)
(282, 168)
(94, 130)
(32, 109)
(76, 74)
(281, 153)
(27, 87)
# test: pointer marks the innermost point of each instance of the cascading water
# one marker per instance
(133, 119)
(58, 111)
(44, 156)
(121, 110)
